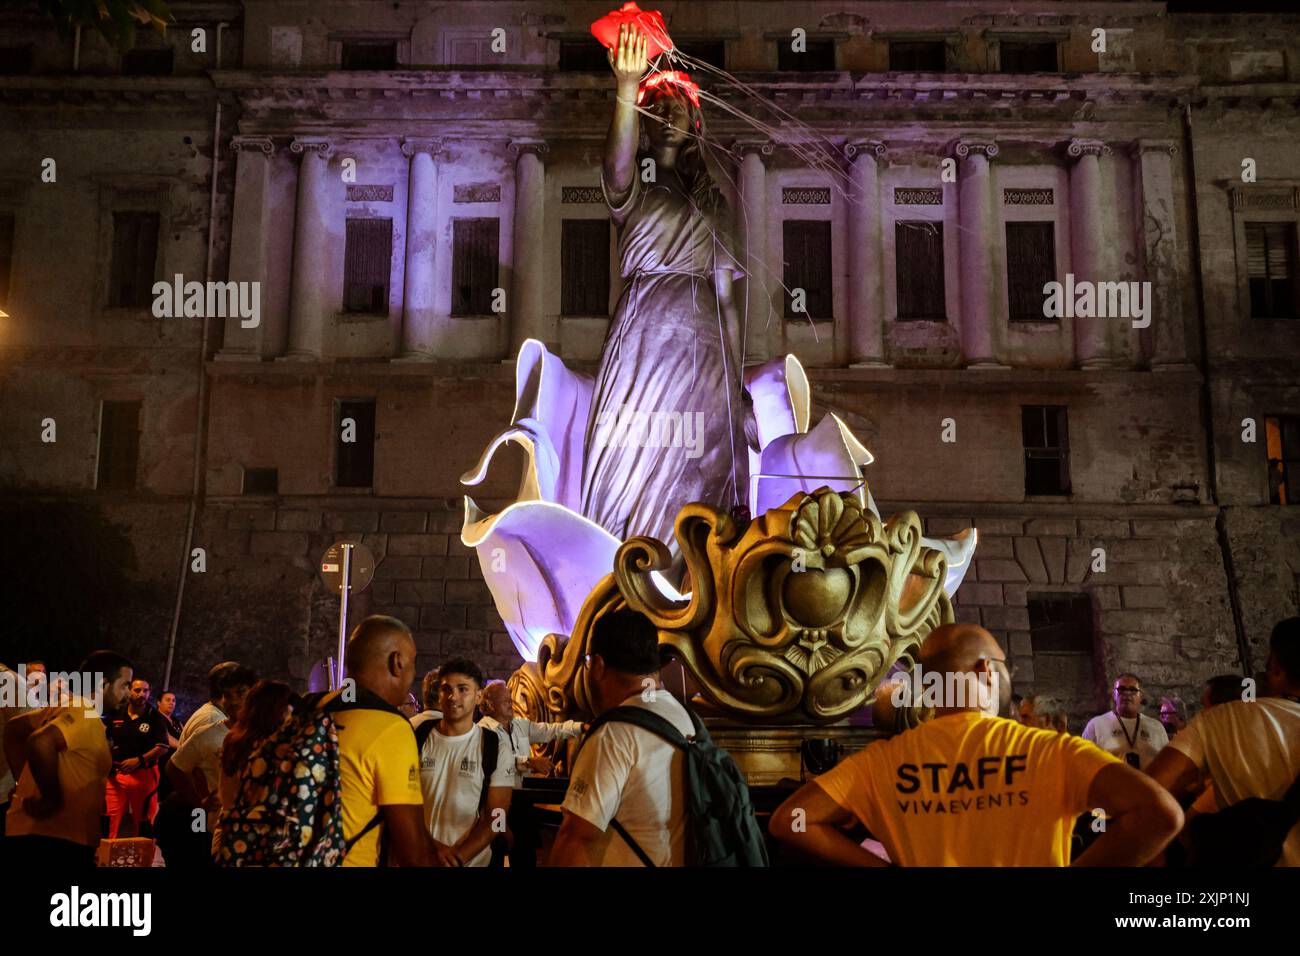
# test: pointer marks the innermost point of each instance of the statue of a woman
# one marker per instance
(672, 355)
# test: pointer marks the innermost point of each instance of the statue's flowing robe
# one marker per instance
(669, 373)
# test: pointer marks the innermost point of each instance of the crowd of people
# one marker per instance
(367, 775)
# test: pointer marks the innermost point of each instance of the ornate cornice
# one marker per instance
(1087, 147)
(253, 143)
(873, 148)
(980, 147)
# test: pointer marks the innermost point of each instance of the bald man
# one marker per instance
(379, 768)
(969, 788)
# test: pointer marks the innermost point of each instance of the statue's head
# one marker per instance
(672, 100)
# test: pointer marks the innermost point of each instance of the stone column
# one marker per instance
(526, 287)
(250, 248)
(866, 285)
(1159, 236)
(1090, 257)
(309, 307)
(978, 238)
(754, 298)
(419, 311)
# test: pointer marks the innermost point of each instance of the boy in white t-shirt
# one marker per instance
(466, 772)
(625, 777)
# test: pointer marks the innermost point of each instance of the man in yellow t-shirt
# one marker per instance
(62, 758)
(379, 769)
(968, 788)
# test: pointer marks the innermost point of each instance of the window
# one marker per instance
(15, 60)
(354, 443)
(135, 257)
(369, 55)
(1027, 56)
(818, 55)
(1283, 437)
(147, 62)
(807, 246)
(1031, 264)
(474, 258)
(261, 481)
(584, 267)
(367, 265)
(6, 256)
(712, 52)
(583, 56)
(119, 445)
(1271, 268)
(918, 56)
(1060, 623)
(918, 271)
(1047, 449)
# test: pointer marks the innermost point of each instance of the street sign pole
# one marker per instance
(344, 588)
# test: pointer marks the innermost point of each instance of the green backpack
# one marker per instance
(721, 829)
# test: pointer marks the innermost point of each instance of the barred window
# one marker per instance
(818, 55)
(1060, 622)
(369, 55)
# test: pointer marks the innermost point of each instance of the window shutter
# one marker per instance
(119, 446)
(584, 267)
(1031, 264)
(918, 271)
(474, 265)
(807, 254)
(368, 263)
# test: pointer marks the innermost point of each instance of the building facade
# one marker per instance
(413, 191)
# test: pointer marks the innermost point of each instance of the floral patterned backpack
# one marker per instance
(289, 811)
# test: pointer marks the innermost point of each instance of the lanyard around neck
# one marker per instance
(1137, 725)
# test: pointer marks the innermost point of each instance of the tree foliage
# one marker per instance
(116, 20)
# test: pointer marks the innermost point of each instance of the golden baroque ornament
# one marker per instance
(794, 620)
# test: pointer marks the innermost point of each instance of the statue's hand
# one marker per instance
(628, 58)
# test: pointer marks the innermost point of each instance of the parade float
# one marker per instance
(784, 623)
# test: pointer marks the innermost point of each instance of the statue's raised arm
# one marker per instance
(628, 61)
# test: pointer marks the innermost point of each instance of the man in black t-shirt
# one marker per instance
(139, 739)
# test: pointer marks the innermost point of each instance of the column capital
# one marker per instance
(873, 148)
(980, 147)
(538, 147)
(1167, 146)
(411, 146)
(252, 143)
(760, 147)
(1076, 148)
(311, 144)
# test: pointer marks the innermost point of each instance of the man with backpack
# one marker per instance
(649, 788)
(1250, 752)
(466, 771)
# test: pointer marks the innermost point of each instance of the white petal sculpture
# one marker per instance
(541, 557)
